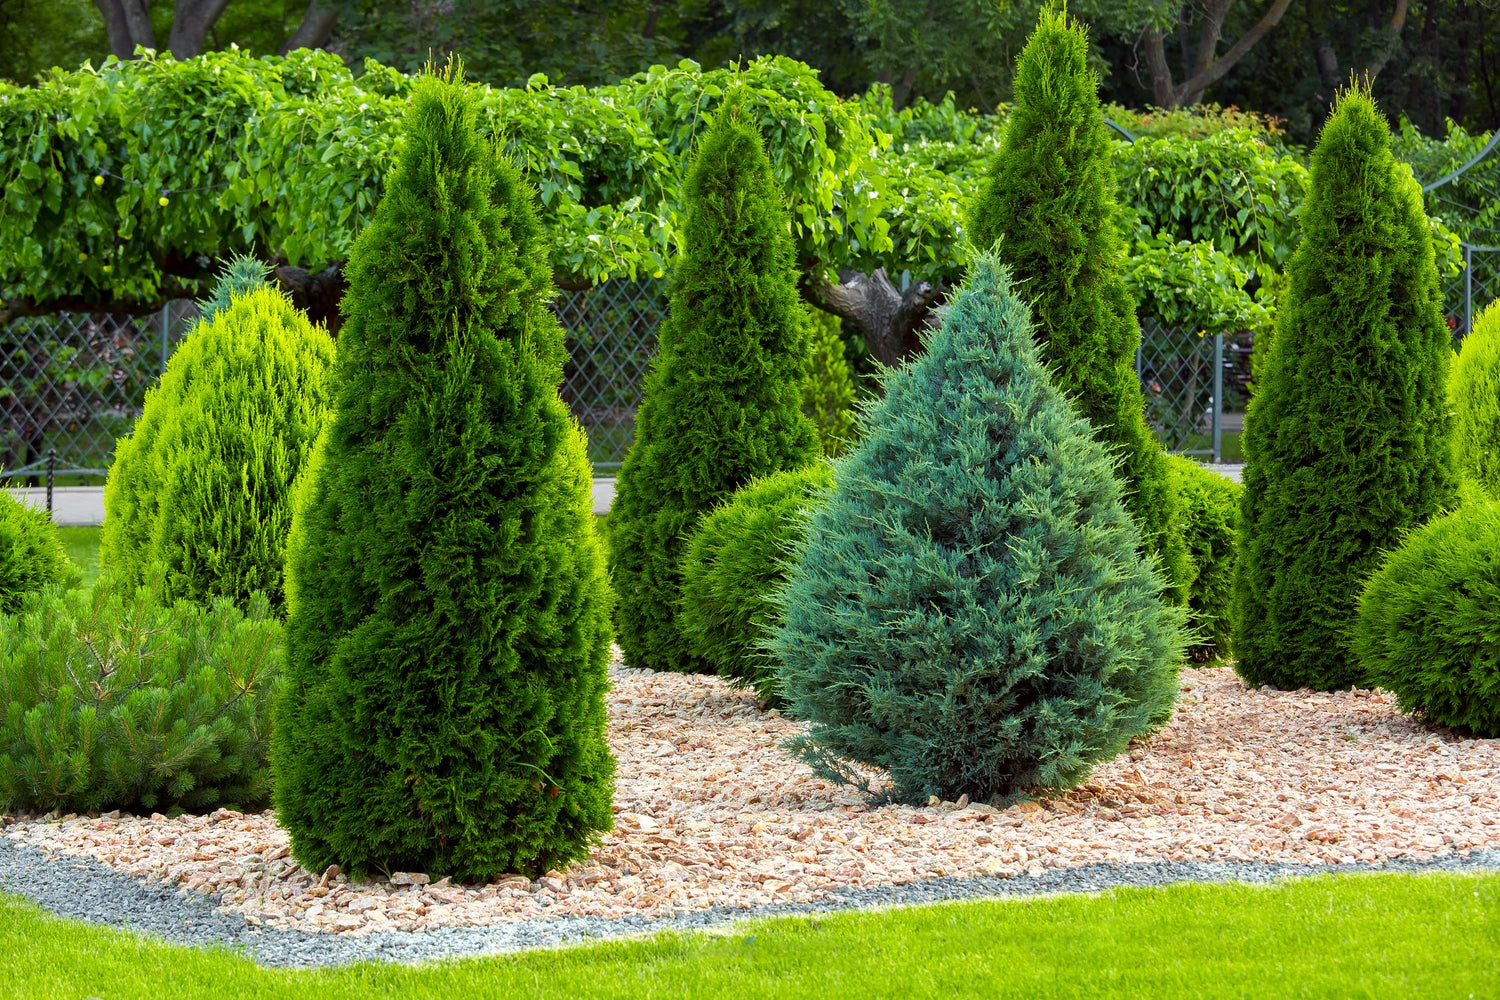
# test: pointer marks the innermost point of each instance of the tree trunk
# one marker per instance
(317, 293)
(312, 33)
(127, 23)
(191, 22)
(1392, 31)
(890, 321)
(1168, 94)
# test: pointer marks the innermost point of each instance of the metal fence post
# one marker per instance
(1468, 288)
(1218, 447)
(51, 470)
(165, 330)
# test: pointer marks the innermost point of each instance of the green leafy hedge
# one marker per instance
(1429, 621)
(1209, 517)
(112, 699)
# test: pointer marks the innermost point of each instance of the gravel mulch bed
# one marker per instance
(712, 817)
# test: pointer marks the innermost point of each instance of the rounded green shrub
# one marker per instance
(113, 699)
(1428, 627)
(967, 609)
(1209, 518)
(828, 394)
(723, 400)
(1048, 209)
(31, 553)
(202, 487)
(735, 559)
(1347, 437)
(448, 607)
(1474, 393)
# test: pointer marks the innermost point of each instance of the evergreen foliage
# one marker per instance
(722, 402)
(1209, 518)
(735, 559)
(1474, 394)
(1048, 209)
(968, 609)
(31, 553)
(242, 275)
(112, 699)
(202, 487)
(828, 394)
(1429, 621)
(1347, 439)
(448, 607)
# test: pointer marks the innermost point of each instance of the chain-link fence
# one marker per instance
(1476, 286)
(72, 384)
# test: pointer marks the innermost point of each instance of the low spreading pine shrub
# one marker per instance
(31, 553)
(1209, 517)
(735, 559)
(1429, 621)
(1474, 393)
(202, 488)
(110, 699)
(968, 610)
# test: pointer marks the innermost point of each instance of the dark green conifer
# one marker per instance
(967, 609)
(1048, 210)
(448, 626)
(722, 404)
(1347, 438)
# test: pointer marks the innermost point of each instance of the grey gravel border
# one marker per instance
(84, 889)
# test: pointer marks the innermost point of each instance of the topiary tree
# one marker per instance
(968, 609)
(1428, 626)
(31, 553)
(1347, 439)
(201, 490)
(828, 394)
(1474, 394)
(1209, 517)
(722, 404)
(448, 608)
(1048, 209)
(734, 560)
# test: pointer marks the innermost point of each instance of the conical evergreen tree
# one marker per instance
(967, 609)
(722, 404)
(1347, 438)
(1048, 210)
(448, 628)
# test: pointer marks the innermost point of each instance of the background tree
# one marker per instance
(722, 402)
(448, 607)
(967, 609)
(1347, 439)
(1048, 209)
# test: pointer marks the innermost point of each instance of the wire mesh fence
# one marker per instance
(72, 384)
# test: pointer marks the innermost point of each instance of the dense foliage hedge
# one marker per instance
(1474, 394)
(1347, 439)
(113, 699)
(723, 400)
(1429, 621)
(968, 609)
(31, 553)
(735, 559)
(1049, 212)
(448, 607)
(1209, 518)
(202, 488)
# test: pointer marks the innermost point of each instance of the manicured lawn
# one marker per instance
(83, 548)
(1349, 936)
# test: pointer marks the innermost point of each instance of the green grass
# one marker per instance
(1343, 936)
(83, 548)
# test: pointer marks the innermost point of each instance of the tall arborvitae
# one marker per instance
(967, 609)
(723, 403)
(448, 627)
(1048, 210)
(1346, 441)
